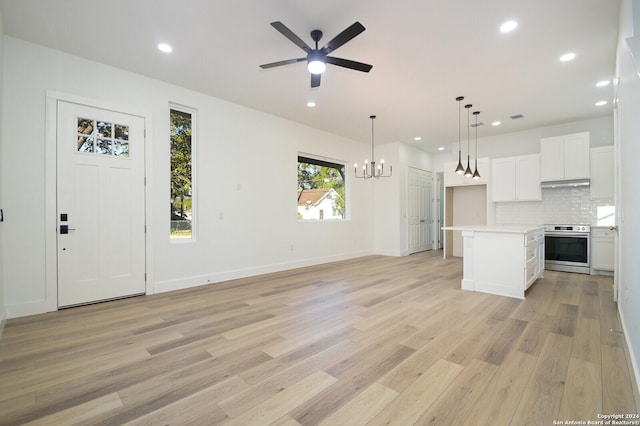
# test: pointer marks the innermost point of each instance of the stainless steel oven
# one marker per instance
(567, 248)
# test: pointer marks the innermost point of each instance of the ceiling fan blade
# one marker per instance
(343, 37)
(315, 80)
(279, 63)
(346, 63)
(291, 36)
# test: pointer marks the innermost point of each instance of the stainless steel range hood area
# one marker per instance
(565, 183)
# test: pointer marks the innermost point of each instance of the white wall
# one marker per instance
(628, 201)
(245, 172)
(3, 311)
(390, 197)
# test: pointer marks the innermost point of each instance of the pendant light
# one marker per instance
(468, 173)
(460, 168)
(373, 172)
(476, 175)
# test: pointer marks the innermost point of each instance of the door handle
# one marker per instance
(64, 229)
(613, 228)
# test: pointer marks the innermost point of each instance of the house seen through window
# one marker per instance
(181, 137)
(321, 189)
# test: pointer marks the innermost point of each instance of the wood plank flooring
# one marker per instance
(376, 340)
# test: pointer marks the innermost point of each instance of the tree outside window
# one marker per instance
(181, 174)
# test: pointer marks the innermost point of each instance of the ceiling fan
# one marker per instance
(317, 58)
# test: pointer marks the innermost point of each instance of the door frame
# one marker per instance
(51, 173)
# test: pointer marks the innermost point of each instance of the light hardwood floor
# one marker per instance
(376, 340)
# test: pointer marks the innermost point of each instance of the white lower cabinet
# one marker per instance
(535, 257)
(501, 259)
(602, 249)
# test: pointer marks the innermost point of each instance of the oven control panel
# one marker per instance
(567, 228)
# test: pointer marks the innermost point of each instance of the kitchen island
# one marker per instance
(501, 259)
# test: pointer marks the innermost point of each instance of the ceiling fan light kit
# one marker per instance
(317, 58)
(315, 63)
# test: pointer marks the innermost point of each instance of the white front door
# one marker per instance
(419, 207)
(100, 204)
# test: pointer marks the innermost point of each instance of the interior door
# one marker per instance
(419, 210)
(100, 204)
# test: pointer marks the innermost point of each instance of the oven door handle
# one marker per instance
(566, 234)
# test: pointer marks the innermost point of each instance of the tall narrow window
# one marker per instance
(321, 191)
(181, 137)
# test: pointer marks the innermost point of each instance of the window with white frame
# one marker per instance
(182, 138)
(321, 189)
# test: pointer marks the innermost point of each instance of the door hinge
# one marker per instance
(145, 229)
(145, 277)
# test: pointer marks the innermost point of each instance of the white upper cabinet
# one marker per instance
(516, 178)
(602, 173)
(528, 178)
(552, 158)
(451, 178)
(503, 179)
(565, 157)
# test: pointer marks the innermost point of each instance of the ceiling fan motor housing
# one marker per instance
(316, 35)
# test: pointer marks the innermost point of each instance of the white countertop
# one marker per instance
(508, 229)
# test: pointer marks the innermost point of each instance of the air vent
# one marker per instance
(476, 125)
(517, 116)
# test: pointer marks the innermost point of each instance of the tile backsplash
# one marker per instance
(570, 205)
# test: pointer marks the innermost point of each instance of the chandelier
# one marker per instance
(369, 170)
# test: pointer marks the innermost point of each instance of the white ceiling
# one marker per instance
(424, 54)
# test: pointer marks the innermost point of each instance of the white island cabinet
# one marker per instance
(501, 259)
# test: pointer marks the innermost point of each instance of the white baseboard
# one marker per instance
(392, 253)
(26, 309)
(216, 277)
(631, 360)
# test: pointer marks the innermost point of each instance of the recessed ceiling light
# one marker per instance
(602, 83)
(496, 123)
(508, 26)
(601, 103)
(441, 148)
(311, 104)
(163, 47)
(567, 57)
(417, 138)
